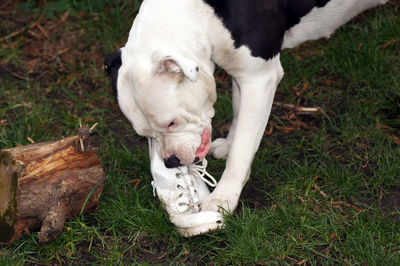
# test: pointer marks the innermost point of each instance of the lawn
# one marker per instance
(324, 188)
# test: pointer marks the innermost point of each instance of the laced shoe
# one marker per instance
(181, 191)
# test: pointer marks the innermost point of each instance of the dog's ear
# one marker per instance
(175, 63)
(112, 63)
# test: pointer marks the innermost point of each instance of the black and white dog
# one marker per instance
(163, 76)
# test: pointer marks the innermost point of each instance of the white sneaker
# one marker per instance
(181, 191)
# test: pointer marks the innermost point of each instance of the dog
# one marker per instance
(163, 77)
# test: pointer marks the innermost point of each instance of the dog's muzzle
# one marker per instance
(174, 161)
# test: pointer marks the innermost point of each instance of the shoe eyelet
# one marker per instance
(178, 175)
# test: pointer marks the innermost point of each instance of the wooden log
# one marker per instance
(43, 184)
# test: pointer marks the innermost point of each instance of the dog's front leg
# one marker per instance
(257, 91)
(220, 147)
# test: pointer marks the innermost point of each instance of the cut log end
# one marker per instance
(8, 201)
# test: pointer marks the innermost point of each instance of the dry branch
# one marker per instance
(300, 109)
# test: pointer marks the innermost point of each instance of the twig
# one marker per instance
(395, 139)
(13, 73)
(136, 182)
(389, 43)
(84, 133)
(336, 204)
(300, 109)
(92, 128)
(60, 53)
(81, 142)
(43, 31)
(17, 32)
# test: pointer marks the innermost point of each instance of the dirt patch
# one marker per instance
(390, 202)
(50, 51)
(140, 249)
(51, 54)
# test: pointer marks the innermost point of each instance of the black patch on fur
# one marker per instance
(261, 24)
(112, 63)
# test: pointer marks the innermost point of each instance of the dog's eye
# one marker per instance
(172, 124)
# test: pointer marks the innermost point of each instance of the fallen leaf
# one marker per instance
(389, 43)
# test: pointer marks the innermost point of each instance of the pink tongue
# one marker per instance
(202, 151)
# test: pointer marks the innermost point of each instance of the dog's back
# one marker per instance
(322, 22)
(266, 26)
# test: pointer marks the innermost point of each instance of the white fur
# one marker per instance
(158, 81)
(322, 22)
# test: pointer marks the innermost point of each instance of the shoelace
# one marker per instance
(188, 188)
(200, 169)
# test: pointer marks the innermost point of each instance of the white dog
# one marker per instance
(163, 76)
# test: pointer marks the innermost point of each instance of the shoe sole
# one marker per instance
(199, 223)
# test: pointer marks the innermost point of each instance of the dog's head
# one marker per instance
(168, 96)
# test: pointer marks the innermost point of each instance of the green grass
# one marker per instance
(325, 193)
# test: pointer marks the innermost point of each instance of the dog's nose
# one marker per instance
(172, 161)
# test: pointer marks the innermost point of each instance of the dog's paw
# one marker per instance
(214, 202)
(220, 148)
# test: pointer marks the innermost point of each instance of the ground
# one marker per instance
(324, 188)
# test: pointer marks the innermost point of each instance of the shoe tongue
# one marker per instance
(193, 193)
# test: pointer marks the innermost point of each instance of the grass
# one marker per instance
(324, 189)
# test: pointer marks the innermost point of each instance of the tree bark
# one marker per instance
(43, 184)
